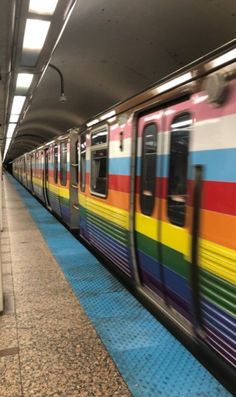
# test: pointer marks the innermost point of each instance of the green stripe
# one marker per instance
(64, 201)
(219, 291)
(170, 258)
(219, 301)
(109, 228)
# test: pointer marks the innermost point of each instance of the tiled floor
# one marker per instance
(48, 346)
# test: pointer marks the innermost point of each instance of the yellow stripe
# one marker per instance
(218, 260)
(37, 181)
(108, 212)
(173, 236)
(52, 188)
(146, 225)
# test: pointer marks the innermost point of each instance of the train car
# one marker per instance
(151, 184)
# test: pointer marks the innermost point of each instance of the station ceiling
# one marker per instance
(109, 50)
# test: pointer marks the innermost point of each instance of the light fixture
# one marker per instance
(35, 35)
(18, 103)
(93, 122)
(62, 97)
(105, 116)
(174, 83)
(227, 57)
(10, 130)
(24, 80)
(14, 118)
(43, 7)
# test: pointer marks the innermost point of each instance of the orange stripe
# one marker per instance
(114, 198)
(218, 228)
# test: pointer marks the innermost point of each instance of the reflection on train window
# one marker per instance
(63, 163)
(99, 151)
(55, 164)
(178, 166)
(82, 162)
(148, 169)
(100, 136)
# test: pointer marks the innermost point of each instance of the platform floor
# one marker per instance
(70, 329)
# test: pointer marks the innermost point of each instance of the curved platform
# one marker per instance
(57, 351)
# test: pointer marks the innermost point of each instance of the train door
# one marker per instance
(64, 181)
(148, 202)
(31, 172)
(175, 241)
(74, 181)
(161, 235)
(46, 177)
(82, 182)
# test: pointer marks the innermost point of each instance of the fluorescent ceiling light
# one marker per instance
(108, 115)
(43, 7)
(92, 122)
(229, 56)
(175, 82)
(10, 130)
(14, 118)
(35, 34)
(24, 80)
(18, 103)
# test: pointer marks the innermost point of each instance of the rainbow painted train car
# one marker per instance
(151, 185)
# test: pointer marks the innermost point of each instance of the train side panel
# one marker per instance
(104, 212)
(214, 147)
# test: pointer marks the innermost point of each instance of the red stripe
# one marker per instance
(121, 183)
(219, 197)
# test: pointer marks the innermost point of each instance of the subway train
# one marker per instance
(151, 185)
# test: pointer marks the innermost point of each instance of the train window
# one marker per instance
(63, 163)
(148, 169)
(77, 162)
(178, 166)
(99, 137)
(55, 164)
(82, 162)
(99, 152)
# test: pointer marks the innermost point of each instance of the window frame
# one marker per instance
(63, 171)
(142, 197)
(93, 149)
(55, 169)
(176, 208)
(82, 153)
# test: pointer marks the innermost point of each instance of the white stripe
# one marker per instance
(218, 133)
(114, 148)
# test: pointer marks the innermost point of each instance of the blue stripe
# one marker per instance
(149, 264)
(219, 165)
(119, 166)
(173, 281)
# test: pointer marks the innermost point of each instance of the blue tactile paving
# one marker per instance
(152, 362)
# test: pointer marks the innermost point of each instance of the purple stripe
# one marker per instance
(212, 340)
(110, 247)
(218, 313)
(223, 330)
(179, 304)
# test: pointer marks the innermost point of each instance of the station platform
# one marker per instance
(69, 328)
